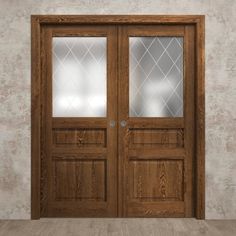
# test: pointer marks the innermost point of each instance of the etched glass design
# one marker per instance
(156, 77)
(79, 77)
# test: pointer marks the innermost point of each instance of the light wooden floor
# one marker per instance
(115, 227)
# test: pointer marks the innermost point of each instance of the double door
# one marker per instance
(117, 121)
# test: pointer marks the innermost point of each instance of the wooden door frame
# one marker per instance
(38, 21)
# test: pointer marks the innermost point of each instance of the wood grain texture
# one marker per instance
(156, 180)
(118, 19)
(160, 30)
(35, 118)
(158, 209)
(123, 141)
(81, 138)
(119, 65)
(142, 143)
(80, 180)
(69, 122)
(43, 141)
(156, 153)
(46, 139)
(161, 138)
(80, 153)
(162, 122)
(189, 116)
(200, 116)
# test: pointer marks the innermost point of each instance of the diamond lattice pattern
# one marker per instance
(156, 77)
(79, 76)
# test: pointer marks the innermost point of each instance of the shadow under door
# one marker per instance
(117, 121)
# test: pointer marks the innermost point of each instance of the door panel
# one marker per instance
(85, 179)
(80, 177)
(156, 133)
(155, 180)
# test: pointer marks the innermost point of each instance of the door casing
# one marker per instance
(39, 21)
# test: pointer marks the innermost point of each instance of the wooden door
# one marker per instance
(156, 120)
(117, 116)
(79, 131)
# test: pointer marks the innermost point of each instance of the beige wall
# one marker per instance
(220, 92)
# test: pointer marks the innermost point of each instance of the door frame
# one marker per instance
(39, 21)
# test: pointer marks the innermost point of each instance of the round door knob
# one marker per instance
(123, 123)
(112, 123)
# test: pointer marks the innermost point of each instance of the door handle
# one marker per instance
(112, 123)
(123, 123)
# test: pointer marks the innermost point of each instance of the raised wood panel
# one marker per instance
(80, 180)
(79, 137)
(156, 180)
(165, 138)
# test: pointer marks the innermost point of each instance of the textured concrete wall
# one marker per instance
(15, 93)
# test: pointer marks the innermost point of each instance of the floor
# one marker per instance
(117, 227)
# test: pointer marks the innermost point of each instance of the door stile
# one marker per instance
(112, 116)
(189, 119)
(123, 89)
(43, 164)
(46, 163)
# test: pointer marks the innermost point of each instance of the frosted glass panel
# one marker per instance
(79, 77)
(156, 77)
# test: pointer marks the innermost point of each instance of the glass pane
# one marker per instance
(156, 77)
(79, 76)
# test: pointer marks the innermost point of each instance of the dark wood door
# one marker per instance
(156, 115)
(79, 133)
(117, 121)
